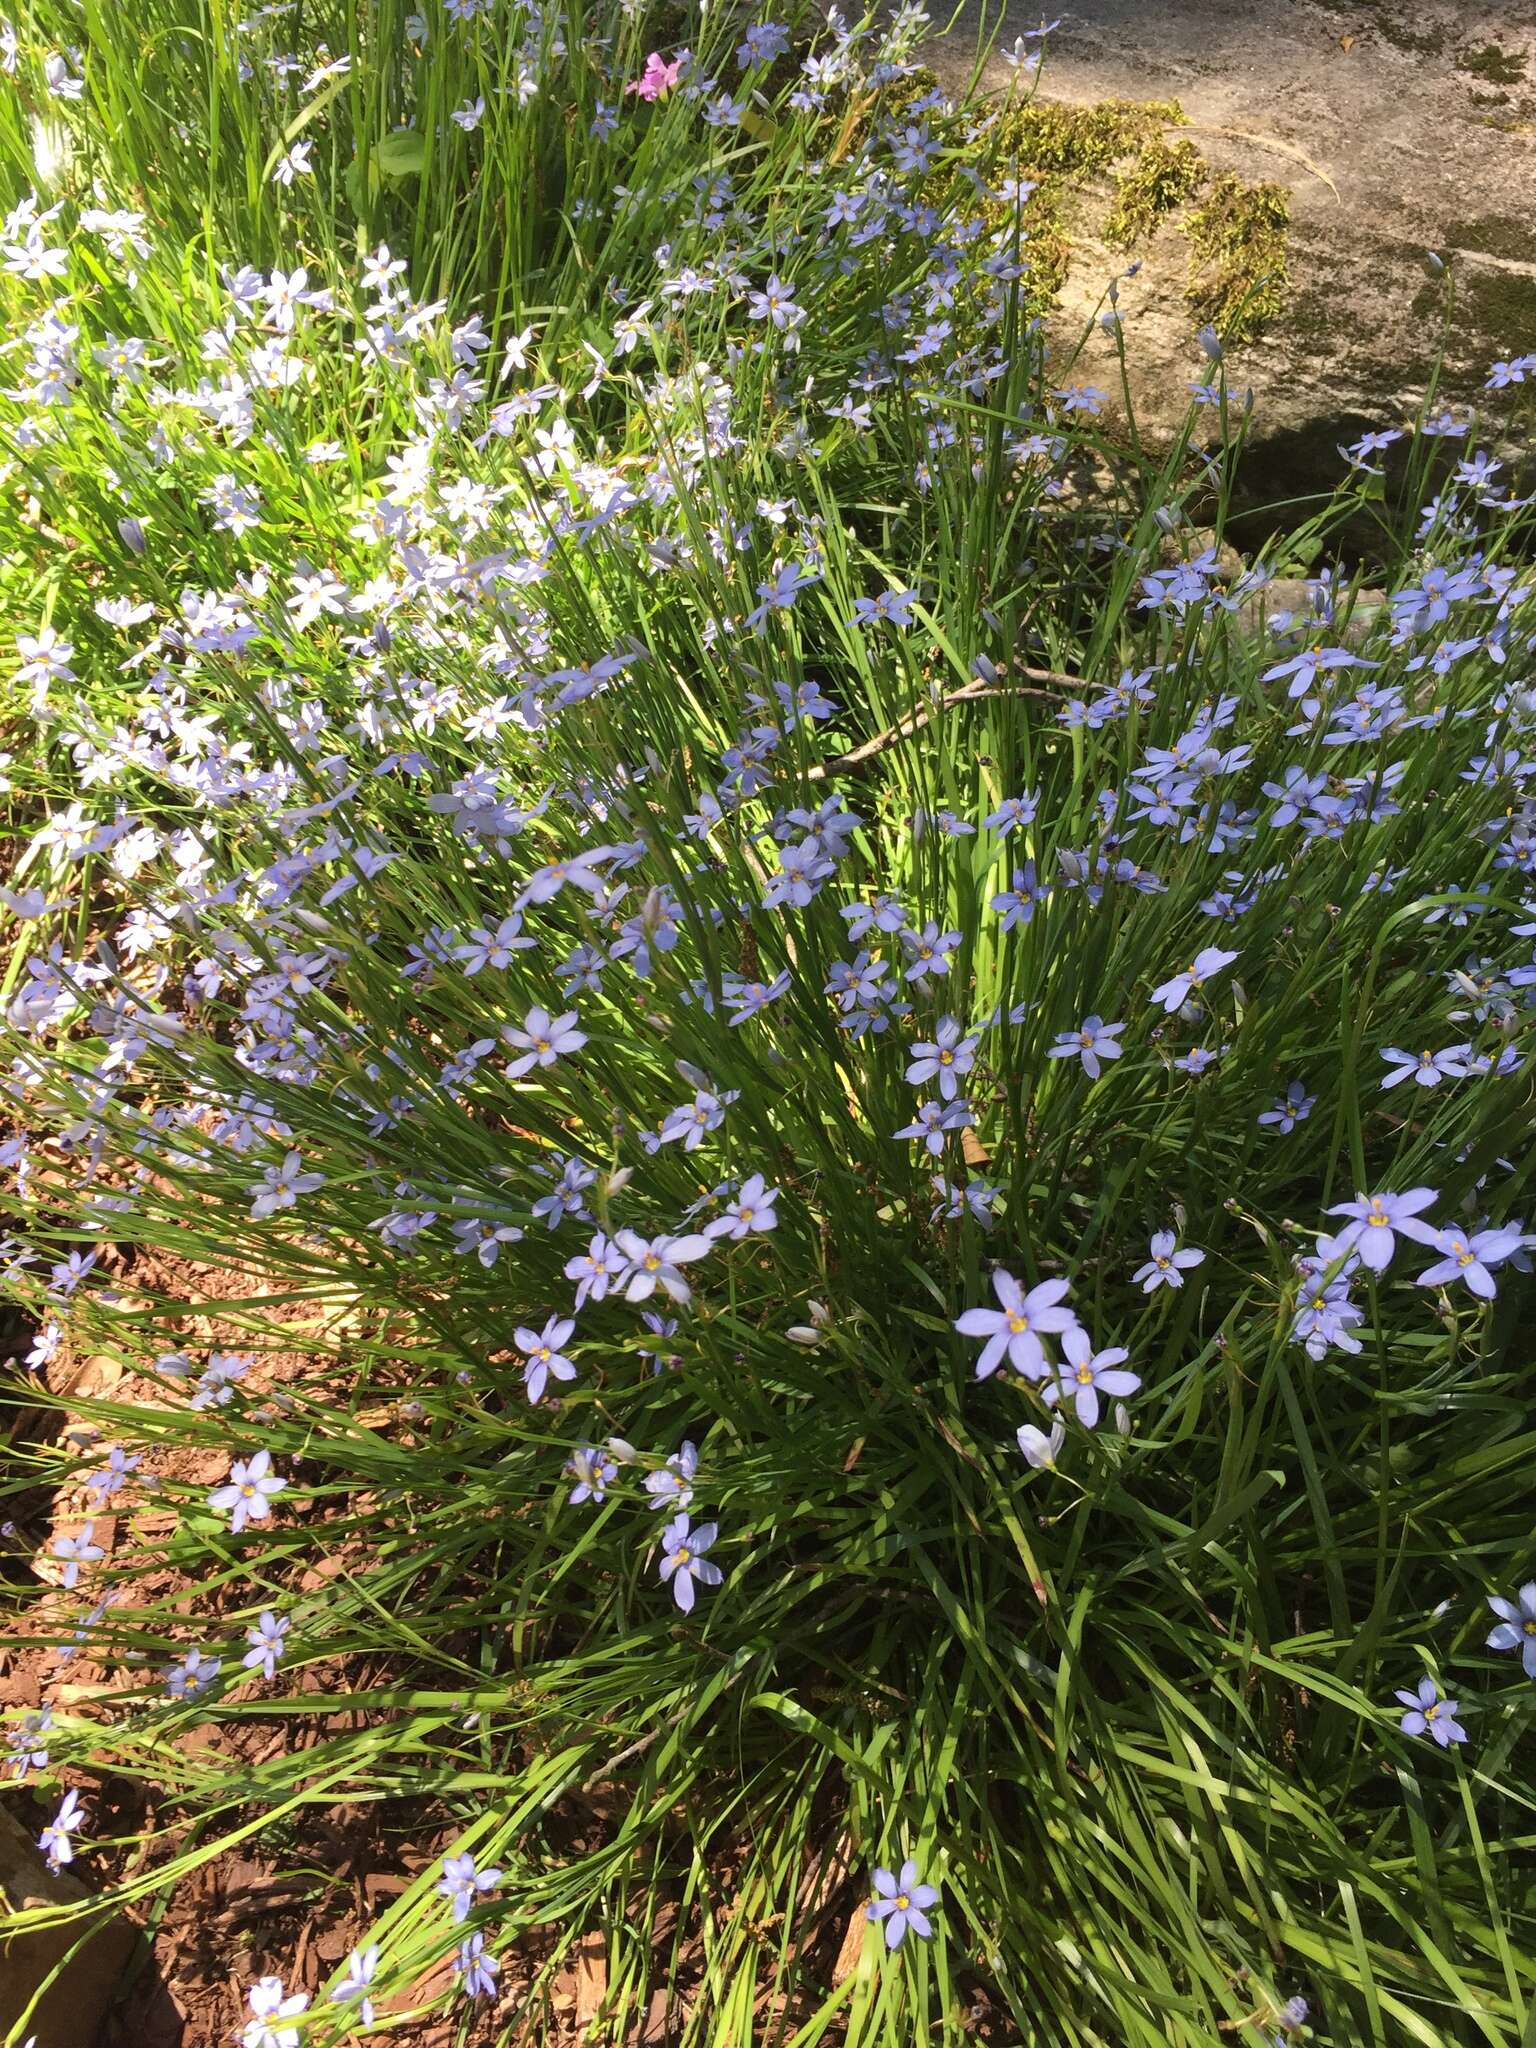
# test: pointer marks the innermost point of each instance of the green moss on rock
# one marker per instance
(1058, 147)
(1164, 176)
(1493, 63)
(1053, 139)
(1238, 273)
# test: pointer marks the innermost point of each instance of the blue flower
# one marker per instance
(1176, 992)
(464, 1885)
(1016, 904)
(1014, 1330)
(745, 998)
(1086, 1374)
(362, 1966)
(655, 1262)
(601, 1266)
(1375, 1218)
(593, 1470)
(272, 2007)
(1469, 1258)
(902, 1902)
(948, 1055)
(1091, 1042)
(891, 607)
(1429, 1069)
(56, 1840)
(544, 1354)
(672, 1487)
(194, 1674)
(1516, 1628)
(683, 1560)
(541, 1040)
(247, 1494)
(476, 1967)
(1166, 1267)
(266, 1639)
(1014, 810)
(1293, 1108)
(750, 1209)
(1430, 1713)
(933, 1122)
(928, 951)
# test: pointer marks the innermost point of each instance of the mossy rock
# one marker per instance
(1237, 270)
(1238, 274)
(1057, 139)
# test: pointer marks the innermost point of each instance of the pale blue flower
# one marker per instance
(1167, 1266)
(1174, 993)
(247, 1494)
(464, 1884)
(1014, 1330)
(362, 1967)
(1430, 1713)
(1516, 1628)
(544, 1354)
(1092, 1042)
(902, 1902)
(1086, 1374)
(683, 1563)
(266, 1640)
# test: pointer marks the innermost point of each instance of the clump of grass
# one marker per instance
(1239, 274)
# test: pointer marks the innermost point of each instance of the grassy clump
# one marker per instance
(607, 857)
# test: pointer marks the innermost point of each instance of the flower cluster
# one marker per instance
(568, 897)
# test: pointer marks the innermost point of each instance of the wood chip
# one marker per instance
(590, 1956)
(852, 1948)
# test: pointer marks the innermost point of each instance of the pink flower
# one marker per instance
(658, 77)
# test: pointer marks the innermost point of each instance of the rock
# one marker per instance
(1396, 126)
(1196, 540)
(71, 2010)
(1291, 595)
